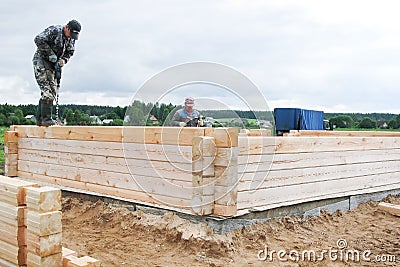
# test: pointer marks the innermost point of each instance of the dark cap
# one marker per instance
(74, 27)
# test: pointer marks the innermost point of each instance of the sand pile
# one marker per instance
(119, 237)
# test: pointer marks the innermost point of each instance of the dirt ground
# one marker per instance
(119, 237)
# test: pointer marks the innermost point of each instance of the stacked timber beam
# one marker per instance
(225, 168)
(44, 226)
(13, 224)
(203, 179)
(11, 152)
(31, 229)
(70, 259)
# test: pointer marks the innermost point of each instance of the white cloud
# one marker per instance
(331, 54)
(14, 89)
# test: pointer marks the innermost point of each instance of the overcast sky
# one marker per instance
(336, 56)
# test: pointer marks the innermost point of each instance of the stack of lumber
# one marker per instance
(31, 229)
(11, 152)
(203, 154)
(71, 259)
(44, 228)
(226, 172)
(13, 240)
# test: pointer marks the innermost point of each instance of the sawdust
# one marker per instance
(119, 237)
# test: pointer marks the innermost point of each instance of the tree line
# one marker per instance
(140, 113)
(364, 121)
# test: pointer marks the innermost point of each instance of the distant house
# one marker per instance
(382, 124)
(264, 124)
(95, 120)
(31, 118)
(153, 119)
(107, 121)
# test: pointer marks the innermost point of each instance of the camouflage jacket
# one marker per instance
(52, 41)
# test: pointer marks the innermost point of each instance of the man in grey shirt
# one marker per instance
(187, 116)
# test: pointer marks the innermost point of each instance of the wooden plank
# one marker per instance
(44, 224)
(10, 170)
(203, 146)
(43, 199)
(87, 133)
(226, 195)
(68, 252)
(266, 206)
(15, 186)
(277, 178)
(4, 263)
(10, 136)
(161, 135)
(226, 156)
(44, 245)
(255, 132)
(15, 236)
(91, 262)
(11, 148)
(391, 208)
(9, 252)
(67, 259)
(225, 210)
(11, 159)
(284, 145)
(152, 185)
(316, 190)
(344, 133)
(224, 137)
(135, 134)
(145, 197)
(167, 170)
(255, 145)
(9, 214)
(253, 163)
(170, 153)
(54, 260)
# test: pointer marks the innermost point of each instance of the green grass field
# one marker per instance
(2, 130)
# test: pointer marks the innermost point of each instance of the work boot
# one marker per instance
(46, 108)
(39, 117)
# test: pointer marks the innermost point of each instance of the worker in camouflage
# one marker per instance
(55, 46)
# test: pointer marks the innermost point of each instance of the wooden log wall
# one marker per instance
(207, 170)
(146, 164)
(283, 171)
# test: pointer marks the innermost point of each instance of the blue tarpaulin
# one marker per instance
(287, 119)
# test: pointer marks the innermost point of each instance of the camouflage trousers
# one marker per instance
(45, 78)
